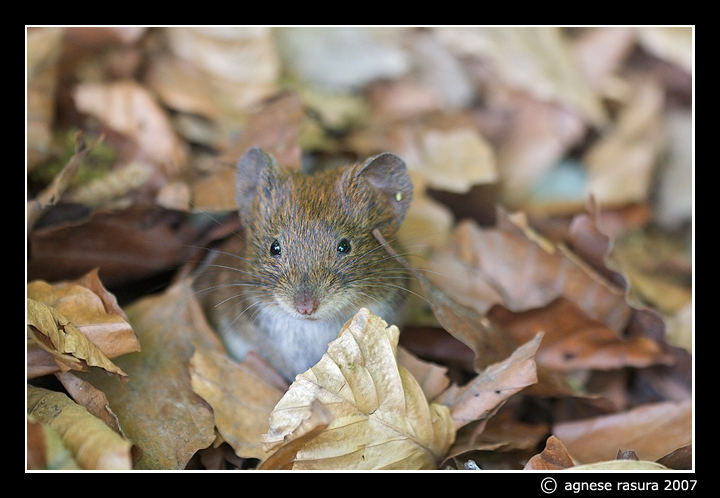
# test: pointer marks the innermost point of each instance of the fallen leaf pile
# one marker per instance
(549, 322)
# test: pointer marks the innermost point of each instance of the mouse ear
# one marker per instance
(256, 171)
(388, 174)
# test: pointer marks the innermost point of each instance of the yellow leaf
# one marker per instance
(93, 444)
(379, 417)
(64, 337)
(621, 465)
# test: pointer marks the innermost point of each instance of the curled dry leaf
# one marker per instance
(652, 431)
(240, 399)
(157, 403)
(128, 108)
(554, 456)
(92, 309)
(71, 349)
(378, 415)
(485, 394)
(93, 399)
(93, 444)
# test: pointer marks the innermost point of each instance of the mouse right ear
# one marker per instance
(257, 171)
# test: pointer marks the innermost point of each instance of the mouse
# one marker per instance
(305, 260)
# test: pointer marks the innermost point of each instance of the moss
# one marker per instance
(98, 162)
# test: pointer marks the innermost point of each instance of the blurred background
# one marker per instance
(533, 119)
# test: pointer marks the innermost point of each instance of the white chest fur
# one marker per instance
(292, 345)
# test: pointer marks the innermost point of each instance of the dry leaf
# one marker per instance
(45, 449)
(537, 60)
(484, 394)
(128, 108)
(432, 378)
(240, 399)
(43, 50)
(112, 186)
(600, 52)
(574, 341)
(240, 64)
(674, 44)
(94, 400)
(126, 245)
(456, 160)
(379, 416)
(273, 126)
(93, 444)
(215, 192)
(636, 465)
(49, 329)
(651, 431)
(474, 330)
(90, 308)
(554, 456)
(680, 459)
(539, 137)
(527, 271)
(621, 163)
(157, 403)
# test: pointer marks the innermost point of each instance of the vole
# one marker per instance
(307, 260)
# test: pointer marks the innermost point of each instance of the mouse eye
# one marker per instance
(343, 246)
(275, 248)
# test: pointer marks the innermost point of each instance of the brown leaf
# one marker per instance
(126, 245)
(554, 456)
(484, 395)
(45, 448)
(487, 342)
(215, 192)
(432, 378)
(528, 271)
(379, 417)
(628, 150)
(51, 330)
(43, 51)
(651, 431)
(275, 128)
(128, 108)
(574, 341)
(93, 444)
(240, 399)
(94, 400)
(157, 403)
(680, 459)
(501, 433)
(92, 309)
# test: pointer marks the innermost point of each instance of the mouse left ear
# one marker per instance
(388, 174)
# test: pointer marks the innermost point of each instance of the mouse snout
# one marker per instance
(306, 302)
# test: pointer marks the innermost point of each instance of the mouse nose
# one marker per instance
(306, 303)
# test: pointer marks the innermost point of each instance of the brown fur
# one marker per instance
(309, 216)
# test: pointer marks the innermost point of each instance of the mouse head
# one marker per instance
(309, 238)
